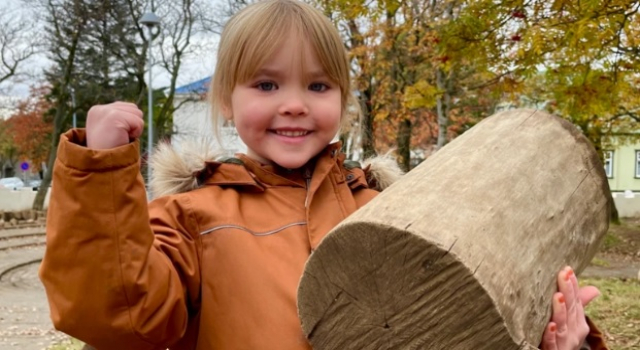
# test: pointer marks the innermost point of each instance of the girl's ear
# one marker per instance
(226, 112)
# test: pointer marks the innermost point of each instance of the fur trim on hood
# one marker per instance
(381, 171)
(175, 170)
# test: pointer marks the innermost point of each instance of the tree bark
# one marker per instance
(463, 251)
(444, 81)
(404, 144)
(368, 144)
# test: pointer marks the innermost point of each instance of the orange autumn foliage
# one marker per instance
(30, 132)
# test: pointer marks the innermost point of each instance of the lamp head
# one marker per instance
(150, 19)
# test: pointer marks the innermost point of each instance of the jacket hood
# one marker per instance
(176, 170)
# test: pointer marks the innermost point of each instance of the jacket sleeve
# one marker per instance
(595, 338)
(118, 274)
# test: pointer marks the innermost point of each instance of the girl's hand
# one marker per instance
(568, 327)
(113, 125)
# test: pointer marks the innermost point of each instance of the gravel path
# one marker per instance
(615, 268)
(24, 312)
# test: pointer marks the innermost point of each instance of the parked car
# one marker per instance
(34, 184)
(13, 183)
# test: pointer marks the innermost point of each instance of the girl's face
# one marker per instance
(290, 110)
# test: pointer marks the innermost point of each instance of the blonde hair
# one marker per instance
(252, 36)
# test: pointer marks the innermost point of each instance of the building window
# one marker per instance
(637, 163)
(608, 163)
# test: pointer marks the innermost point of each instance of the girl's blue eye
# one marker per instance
(266, 86)
(318, 87)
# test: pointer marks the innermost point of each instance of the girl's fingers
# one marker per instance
(133, 109)
(136, 129)
(549, 337)
(582, 328)
(125, 104)
(578, 302)
(559, 316)
(570, 295)
(587, 294)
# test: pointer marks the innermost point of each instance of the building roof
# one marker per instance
(198, 87)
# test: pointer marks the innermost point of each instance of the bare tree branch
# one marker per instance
(17, 43)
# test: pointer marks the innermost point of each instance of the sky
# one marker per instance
(195, 66)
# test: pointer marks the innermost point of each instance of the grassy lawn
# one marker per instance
(617, 311)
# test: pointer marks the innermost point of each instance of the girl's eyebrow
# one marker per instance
(268, 72)
(318, 74)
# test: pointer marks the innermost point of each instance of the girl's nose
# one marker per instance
(294, 104)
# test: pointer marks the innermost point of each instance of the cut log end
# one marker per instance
(375, 287)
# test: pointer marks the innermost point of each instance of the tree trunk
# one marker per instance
(368, 145)
(463, 251)
(404, 144)
(443, 116)
(38, 202)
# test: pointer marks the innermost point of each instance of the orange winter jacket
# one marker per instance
(213, 264)
(217, 267)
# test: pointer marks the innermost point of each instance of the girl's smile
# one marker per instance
(291, 135)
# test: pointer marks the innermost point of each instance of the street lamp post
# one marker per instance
(150, 20)
(73, 104)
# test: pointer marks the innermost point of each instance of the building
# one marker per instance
(622, 166)
(192, 120)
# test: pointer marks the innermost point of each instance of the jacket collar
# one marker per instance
(245, 171)
(196, 163)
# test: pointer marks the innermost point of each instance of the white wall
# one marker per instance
(21, 199)
(192, 122)
(627, 204)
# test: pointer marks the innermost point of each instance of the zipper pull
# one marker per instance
(307, 178)
(307, 174)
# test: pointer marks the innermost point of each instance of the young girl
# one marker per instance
(217, 266)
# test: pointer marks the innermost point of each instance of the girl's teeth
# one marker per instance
(292, 133)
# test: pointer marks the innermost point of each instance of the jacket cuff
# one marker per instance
(73, 153)
(595, 338)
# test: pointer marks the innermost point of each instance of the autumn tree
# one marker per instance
(8, 149)
(590, 61)
(423, 66)
(30, 129)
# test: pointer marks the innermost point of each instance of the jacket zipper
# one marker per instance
(307, 177)
(255, 233)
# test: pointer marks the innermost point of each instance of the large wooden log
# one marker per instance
(463, 251)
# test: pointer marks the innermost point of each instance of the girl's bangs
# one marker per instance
(265, 38)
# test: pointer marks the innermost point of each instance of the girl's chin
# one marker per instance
(291, 162)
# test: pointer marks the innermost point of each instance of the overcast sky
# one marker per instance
(194, 67)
